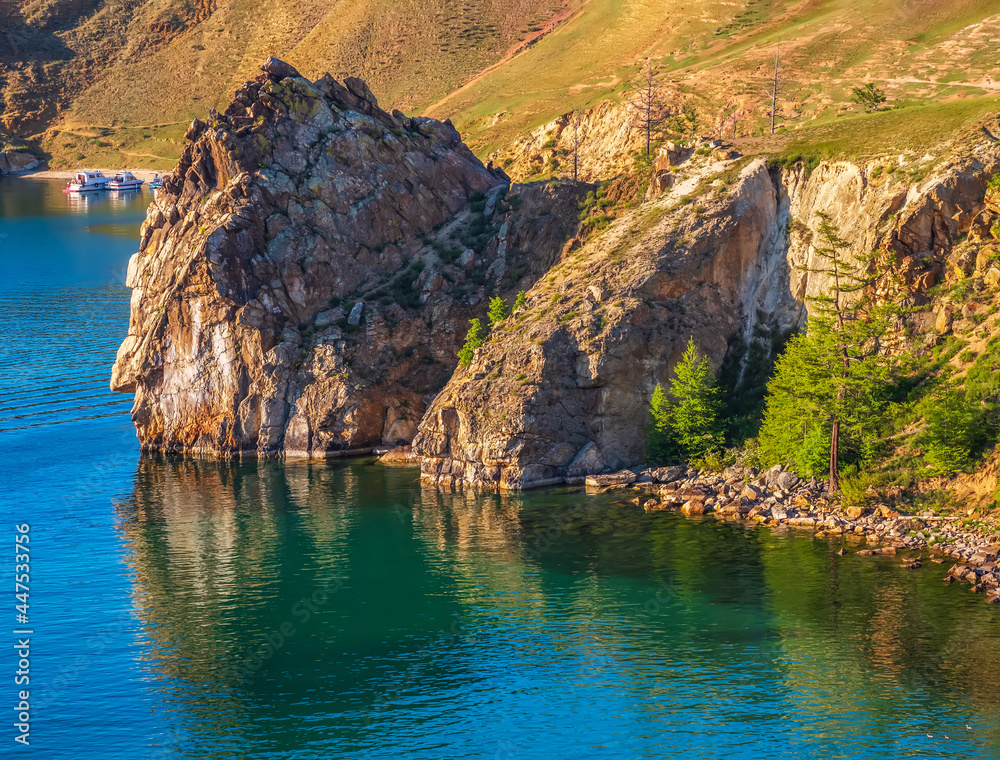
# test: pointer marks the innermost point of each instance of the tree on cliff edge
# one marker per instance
(650, 105)
(473, 340)
(830, 392)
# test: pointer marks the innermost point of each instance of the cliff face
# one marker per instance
(306, 276)
(562, 389)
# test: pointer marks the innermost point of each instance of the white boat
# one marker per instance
(155, 183)
(125, 181)
(86, 181)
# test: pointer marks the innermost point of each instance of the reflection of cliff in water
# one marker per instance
(311, 559)
(434, 597)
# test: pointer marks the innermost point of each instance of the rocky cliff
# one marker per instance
(306, 276)
(563, 387)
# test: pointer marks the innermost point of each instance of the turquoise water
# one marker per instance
(197, 609)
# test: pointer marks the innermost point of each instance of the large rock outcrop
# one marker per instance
(306, 277)
(17, 162)
(562, 389)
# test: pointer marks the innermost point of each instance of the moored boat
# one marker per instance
(85, 181)
(124, 181)
(155, 183)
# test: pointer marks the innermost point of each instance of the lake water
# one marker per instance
(198, 609)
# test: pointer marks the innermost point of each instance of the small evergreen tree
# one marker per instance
(498, 311)
(871, 97)
(685, 424)
(684, 124)
(661, 446)
(521, 301)
(694, 416)
(957, 428)
(473, 340)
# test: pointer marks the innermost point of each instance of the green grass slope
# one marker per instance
(718, 54)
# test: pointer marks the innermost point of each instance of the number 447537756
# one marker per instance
(21, 571)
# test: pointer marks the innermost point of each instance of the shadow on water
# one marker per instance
(346, 607)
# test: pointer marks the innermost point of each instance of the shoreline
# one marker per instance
(143, 174)
(778, 498)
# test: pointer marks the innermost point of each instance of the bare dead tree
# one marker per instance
(732, 114)
(775, 84)
(649, 102)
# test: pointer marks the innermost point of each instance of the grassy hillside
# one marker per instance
(99, 69)
(101, 72)
(716, 54)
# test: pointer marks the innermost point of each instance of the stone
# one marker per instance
(855, 513)
(399, 455)
(693, 508)
(944, 321)
(195, 130)
(288, 200)
(787, 480)
(17, 162)
(278, 69)
(586, 462)
(750, 493)
(622, 478)
(664, 474)
(355, 316)
(329, 317)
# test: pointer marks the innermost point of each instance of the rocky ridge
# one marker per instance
(305, 279)
(563, 387)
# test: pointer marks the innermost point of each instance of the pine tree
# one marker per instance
(830, 391)
(521, 301)
(661, 446)
(473, 340)
(498, 311)
(694, 416)
(685, 424)
(870, 97)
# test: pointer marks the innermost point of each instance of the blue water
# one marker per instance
(198, 609)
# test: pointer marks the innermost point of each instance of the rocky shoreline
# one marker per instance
(777, 497)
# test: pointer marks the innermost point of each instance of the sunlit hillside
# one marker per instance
(114, 81)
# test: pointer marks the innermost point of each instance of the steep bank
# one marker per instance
(306, 277)
(563, 388)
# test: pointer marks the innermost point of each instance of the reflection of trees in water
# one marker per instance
(863, 639)
(441, 590)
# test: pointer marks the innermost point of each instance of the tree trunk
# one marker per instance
(774, 93)
(834, 485)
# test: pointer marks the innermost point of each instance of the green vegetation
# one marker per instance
(521, 301)
(870, 97)
(847, 400)
(473, 339)
(685, 422)
(498, 311)
(830, 390)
